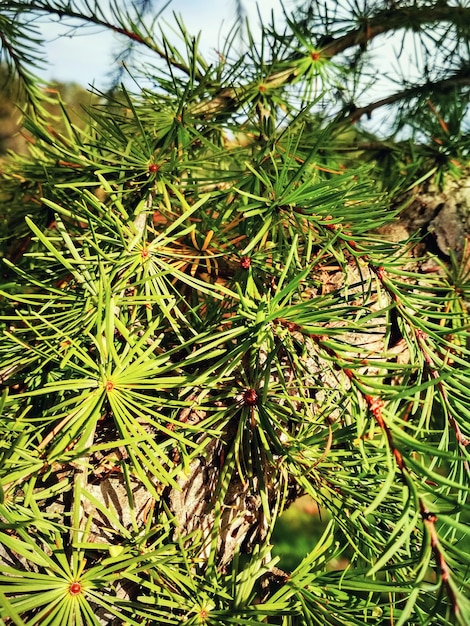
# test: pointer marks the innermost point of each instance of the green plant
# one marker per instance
(201, 322)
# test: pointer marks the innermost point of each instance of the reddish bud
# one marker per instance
(153, 168)
(380, 271)
(75, 588)
(315, 56)
(250, 397)
(292, 327)
(429, 517)
(245, 262)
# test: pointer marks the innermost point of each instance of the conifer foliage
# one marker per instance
(207, 312)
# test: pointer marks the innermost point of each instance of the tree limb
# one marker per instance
(458, 79)
(382, 22)
(395, 19)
